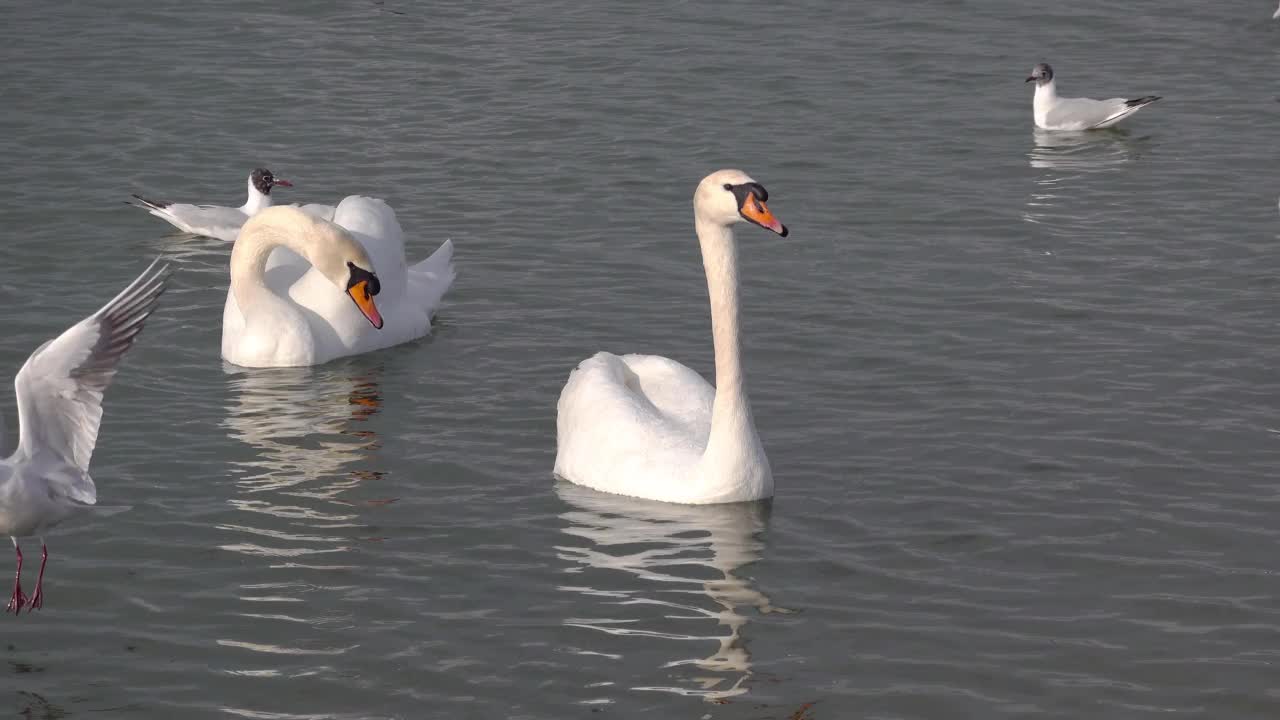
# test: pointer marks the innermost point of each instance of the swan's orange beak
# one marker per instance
(359, 292)
(757, 212)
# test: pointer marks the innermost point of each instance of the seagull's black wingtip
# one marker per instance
(1139, 102)
(157, 204)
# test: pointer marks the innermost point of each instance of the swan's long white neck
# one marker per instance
(257, 201)
(249, 264)
(733, 442)
(250, 253)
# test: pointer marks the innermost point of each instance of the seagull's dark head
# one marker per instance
(1042, 74)
(263, 180)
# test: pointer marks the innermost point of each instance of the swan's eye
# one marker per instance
(358, 275)
(728, 187)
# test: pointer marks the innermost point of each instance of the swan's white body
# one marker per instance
(59, 392)
(286, 305)
(218, 221)
(649, 427)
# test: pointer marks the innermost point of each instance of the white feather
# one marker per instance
(59, 393)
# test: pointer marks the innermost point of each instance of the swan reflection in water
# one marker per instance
(677, 557)
(307, 447)
(304, 425)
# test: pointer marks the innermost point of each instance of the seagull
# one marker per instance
(1277, 15)
(1059, 113)
(216, 221)
(59, 393)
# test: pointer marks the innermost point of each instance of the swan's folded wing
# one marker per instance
(622, 419)
(430, 279)
(324, 212)
(374, 224)
(439, 264)
(653, 396)
(59, 389)
(680, 394)
(374, 218)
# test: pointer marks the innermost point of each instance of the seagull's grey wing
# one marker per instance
(1084, 112)
(60, 387)
(213, 221)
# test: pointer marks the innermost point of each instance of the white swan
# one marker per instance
(287, 313)
(649, 427)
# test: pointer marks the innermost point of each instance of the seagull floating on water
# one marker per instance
(59, 393)
(1059, 113)
(216, 221)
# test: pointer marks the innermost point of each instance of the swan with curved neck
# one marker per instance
(281, 313)
(649, 427)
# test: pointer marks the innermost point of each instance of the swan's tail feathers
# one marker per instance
(435, 276)
(439, 264)
(146, 204)
(1139, 102)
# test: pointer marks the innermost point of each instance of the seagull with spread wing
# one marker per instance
(59, 393)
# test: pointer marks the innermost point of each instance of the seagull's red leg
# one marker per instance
(37, 600)
(19, 599)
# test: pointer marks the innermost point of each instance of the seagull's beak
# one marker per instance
(285, 183)
(756, 211)
(1033, 77)
(359, 292)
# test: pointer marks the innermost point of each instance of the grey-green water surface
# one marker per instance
(1018, 392)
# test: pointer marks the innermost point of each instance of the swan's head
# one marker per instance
(726, 197)
(1042, 74)
(262, 180)
(362, 284)
(330, 249)
(343, 260)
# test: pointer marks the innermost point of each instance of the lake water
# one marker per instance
(1018, 391)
